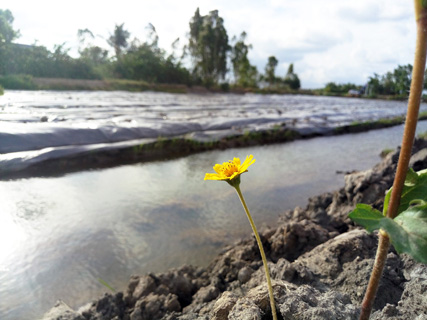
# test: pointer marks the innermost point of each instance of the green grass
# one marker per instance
(18, 81)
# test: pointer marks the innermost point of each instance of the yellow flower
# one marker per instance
(230, 170)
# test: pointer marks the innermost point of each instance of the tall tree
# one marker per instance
(270, 70)
(291, 78)
(146, 61)
(119, 39)
(83, 35)
(208, 46)
(95, 55)
(7, 33)
(396, 82)
(244, 73)
(152, 35)
(402, 78)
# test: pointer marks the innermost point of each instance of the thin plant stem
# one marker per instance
(404, 157)
(261, 249)
(374, 281)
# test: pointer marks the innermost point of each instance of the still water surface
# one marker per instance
(59, 235)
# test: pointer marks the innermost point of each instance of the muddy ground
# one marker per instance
(320, 264)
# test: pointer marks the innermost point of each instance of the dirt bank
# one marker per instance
(320, 264)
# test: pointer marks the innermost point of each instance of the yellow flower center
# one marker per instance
(229, 168)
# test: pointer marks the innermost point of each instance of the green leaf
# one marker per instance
(386, 201)
(415, 188)
(417, 202)
(408, 232)
(367, 217)
(411, 178)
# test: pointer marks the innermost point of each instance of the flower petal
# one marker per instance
(213, 176)
(248, 162)
(218, 168)
(236, 161)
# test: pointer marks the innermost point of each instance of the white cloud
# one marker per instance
(330, 40)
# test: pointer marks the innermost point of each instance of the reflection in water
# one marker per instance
(59, 235)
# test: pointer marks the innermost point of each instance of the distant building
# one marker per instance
(358, 92)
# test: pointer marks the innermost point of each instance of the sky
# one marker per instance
(328, 40)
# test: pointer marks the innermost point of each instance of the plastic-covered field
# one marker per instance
(40, 125)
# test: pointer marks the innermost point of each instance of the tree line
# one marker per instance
(208, 58)
(394, 83)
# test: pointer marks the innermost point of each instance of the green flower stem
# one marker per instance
(261, 249)
(404, 157)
